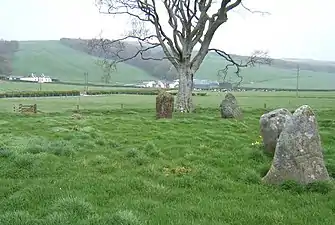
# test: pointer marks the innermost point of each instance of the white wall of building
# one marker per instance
(154, 84)
(39, 79)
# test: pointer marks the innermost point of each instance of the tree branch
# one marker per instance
(257, 57)
(115, 51)
(255, 11)
(116, 47)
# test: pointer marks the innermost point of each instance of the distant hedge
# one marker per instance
(18, 94)
(133, 92)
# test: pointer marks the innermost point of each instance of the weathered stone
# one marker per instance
(298, 155)
(229, 107)
(164, 105)
(271, 125)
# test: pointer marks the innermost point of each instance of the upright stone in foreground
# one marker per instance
(164, 105)
(271, 125)
(229, 107)
(298, 154)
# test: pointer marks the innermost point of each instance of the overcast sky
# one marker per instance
(295, 28)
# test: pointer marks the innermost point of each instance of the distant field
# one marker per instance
(58, 61)
(248, 100)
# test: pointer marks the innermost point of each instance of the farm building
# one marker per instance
(201, 84)
(153, 84)
(32, 78)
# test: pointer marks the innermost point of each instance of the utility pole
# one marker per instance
(298, 74)
(39, 81)
(86, 81)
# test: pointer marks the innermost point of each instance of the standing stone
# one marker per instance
(271, 125)
(229, 107)
(164, 105)
(298, 154)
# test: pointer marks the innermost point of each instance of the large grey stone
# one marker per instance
(298, 155)
(271, 125)
(229, 107)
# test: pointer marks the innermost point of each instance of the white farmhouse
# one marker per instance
(160, 84)
(154, 84)
(149, 84)
(38, 79)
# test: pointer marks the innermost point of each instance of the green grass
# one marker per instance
(113, 166)
(248, 100)
(58, 61)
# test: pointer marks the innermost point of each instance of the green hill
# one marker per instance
(68, 61)
(268, 76)
(281, 74)
(61, 62)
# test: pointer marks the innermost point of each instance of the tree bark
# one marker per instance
(184, 101)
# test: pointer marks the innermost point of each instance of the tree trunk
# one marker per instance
(184, 101)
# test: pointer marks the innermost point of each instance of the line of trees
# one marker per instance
(7, 51)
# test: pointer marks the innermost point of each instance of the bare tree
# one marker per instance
(189, 23)
(107, 68)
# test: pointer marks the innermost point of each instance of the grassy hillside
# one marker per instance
(268, 76)
(281, 74)
(66, 64)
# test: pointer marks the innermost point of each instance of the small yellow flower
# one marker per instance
(255, 143)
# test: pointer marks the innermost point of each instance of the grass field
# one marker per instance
(248, 100)
(121, 166)
(58, 61)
